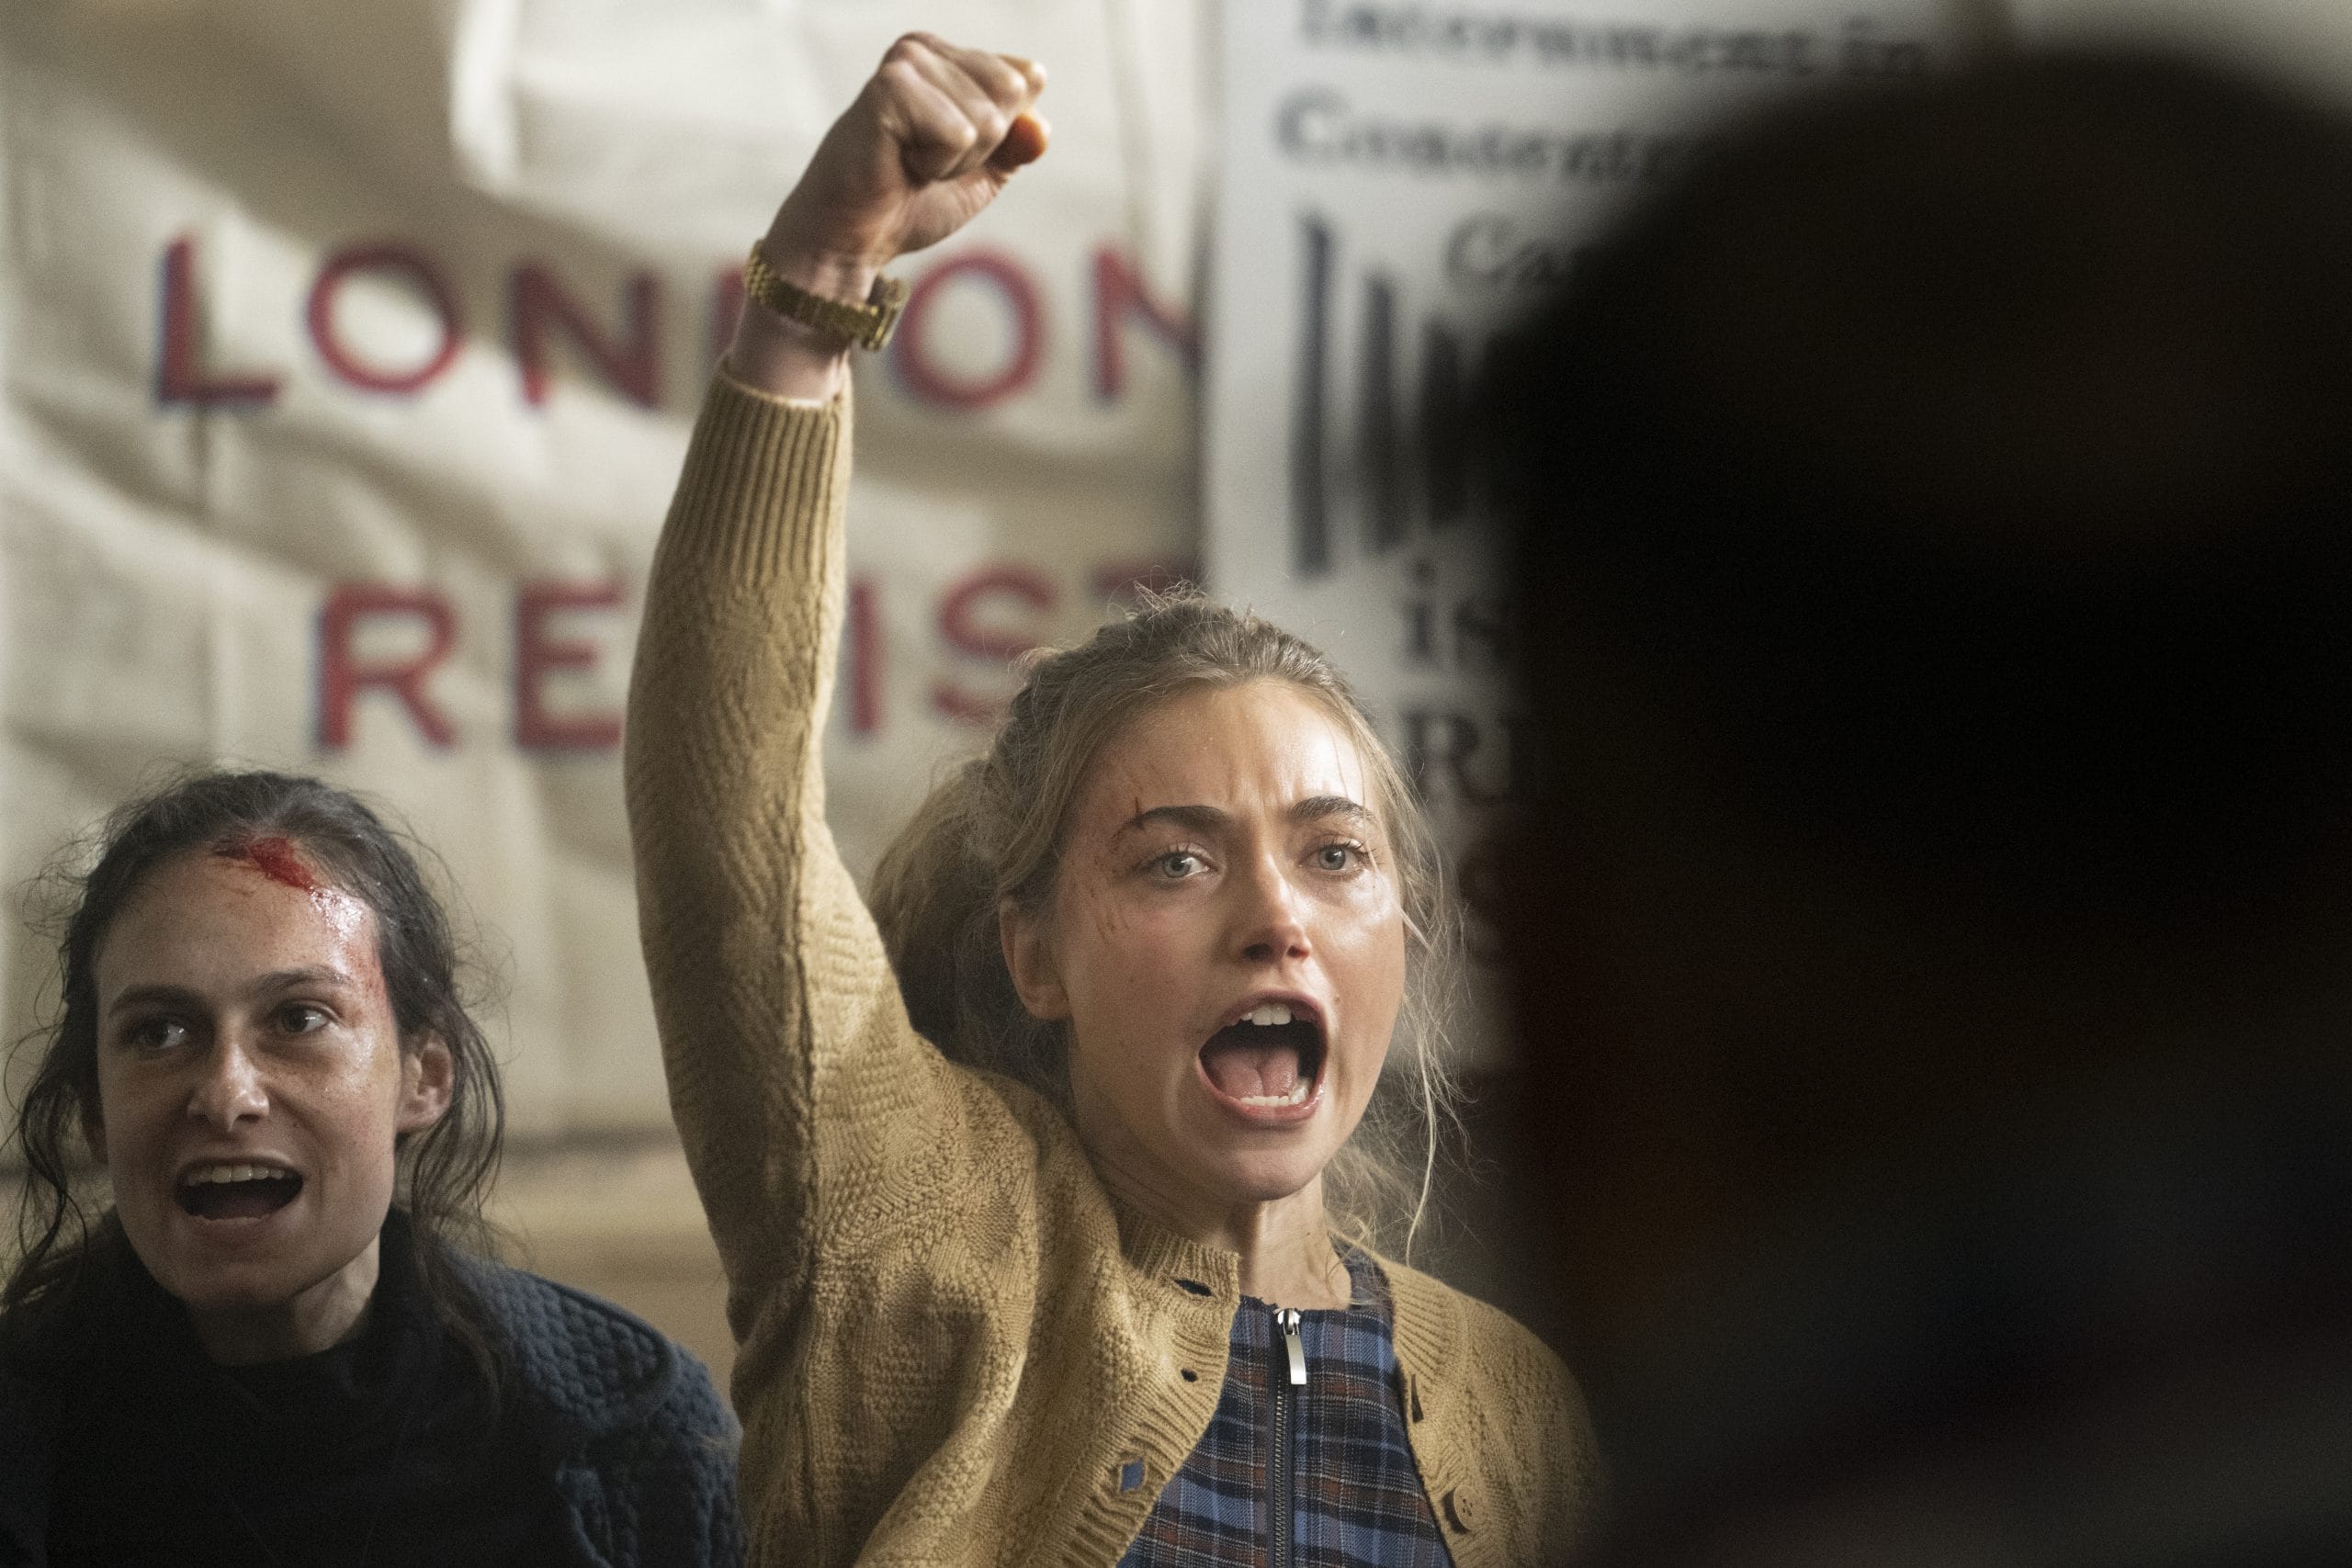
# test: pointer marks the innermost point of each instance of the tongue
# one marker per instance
(238, 1199)
(1246, 1070)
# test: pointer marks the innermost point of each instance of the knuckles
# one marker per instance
(997, 79)
(943, 127)
(898, 75)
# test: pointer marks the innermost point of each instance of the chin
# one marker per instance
(217, 1285)
(204, 1281)
(226, 1295)
(1259, 1178)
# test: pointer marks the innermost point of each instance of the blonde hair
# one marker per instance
(991, 832)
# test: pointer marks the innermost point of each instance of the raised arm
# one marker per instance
(793, 1074)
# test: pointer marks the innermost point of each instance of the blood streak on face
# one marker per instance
(280, 859)
(275, 857)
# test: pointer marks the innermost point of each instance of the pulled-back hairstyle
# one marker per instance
(992, 834)
(448, 1167)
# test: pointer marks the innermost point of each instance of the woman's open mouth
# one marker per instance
(237, 1192)
(1268, 1064)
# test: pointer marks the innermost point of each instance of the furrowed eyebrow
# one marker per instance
(152, 996)
(275, 980)
(307, 974)
(1208, 819)
(1321, 808)
(1198, 818)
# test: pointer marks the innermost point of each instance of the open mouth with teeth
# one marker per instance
(1268, 1060)
(237, 1192)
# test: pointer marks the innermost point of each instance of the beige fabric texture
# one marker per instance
(952, 1338)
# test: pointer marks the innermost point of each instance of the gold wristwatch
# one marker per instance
(868, 325)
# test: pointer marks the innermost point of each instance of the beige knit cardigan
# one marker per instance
(953, 1340)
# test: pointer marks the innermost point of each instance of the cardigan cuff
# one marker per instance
(760, 492)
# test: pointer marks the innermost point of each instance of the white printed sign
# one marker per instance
(347, 355)
(1398, 178)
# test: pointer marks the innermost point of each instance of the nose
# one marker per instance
(1270, 923)
(229, 1089)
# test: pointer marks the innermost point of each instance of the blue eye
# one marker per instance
(1338, 857)
(1176, 864)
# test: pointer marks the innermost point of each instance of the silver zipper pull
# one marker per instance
(1286, 1319)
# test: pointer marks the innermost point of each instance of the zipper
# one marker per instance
(1280, 1473)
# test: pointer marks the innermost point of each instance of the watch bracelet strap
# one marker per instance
(868, 325)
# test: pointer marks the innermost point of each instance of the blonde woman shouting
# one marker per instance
(1033, 1184)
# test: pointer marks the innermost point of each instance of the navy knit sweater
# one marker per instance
(612, 1449)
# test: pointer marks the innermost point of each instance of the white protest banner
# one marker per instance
(1398, 178)
(347, 355)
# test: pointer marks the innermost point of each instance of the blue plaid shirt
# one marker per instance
(1356, 1500)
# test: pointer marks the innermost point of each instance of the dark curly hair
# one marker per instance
(447, 1168)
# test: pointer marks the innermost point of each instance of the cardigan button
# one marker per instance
(1461, 1510)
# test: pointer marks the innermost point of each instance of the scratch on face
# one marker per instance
(278, 858)
(275, 856)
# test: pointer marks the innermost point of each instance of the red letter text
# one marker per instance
(961, 624)
(342, 676)
(1119, 292)
(865, 655)
(178, 377)
(541, 306)
(535, 653)
(420, 273)
(911, 347)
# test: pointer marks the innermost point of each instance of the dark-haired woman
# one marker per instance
(270, 1347)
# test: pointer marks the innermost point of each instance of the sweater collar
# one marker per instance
(1156, 1250)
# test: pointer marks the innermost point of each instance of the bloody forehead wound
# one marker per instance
(275, 856)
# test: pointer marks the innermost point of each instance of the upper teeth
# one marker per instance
(1268, 1012)
(224, 1173)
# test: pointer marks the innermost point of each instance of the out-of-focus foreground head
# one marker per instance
(1935, 526)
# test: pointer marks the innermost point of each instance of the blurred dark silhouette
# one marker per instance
(1933, 925)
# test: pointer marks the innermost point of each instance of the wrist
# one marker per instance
(789, 357)
(784, 358)
(846, 276)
